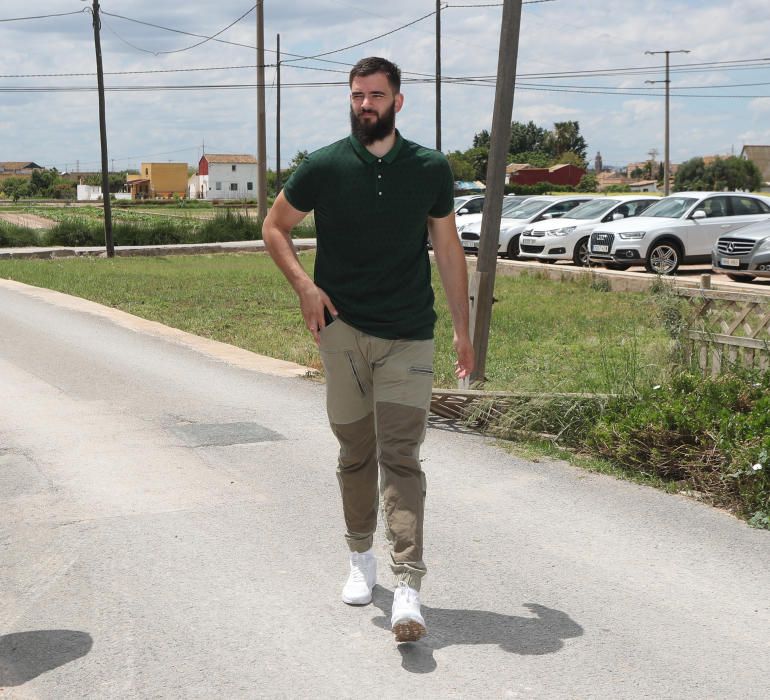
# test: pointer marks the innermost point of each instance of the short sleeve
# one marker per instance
(445, 190)
(300, 188)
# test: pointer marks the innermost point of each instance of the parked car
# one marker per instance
(567, 238)
(745, 254)
(515, 218)
(680, 228)
(469, 204)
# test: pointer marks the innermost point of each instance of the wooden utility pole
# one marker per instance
(261, 132)
(482, 282)
(438, 75)
(277, 114)
(103, 134)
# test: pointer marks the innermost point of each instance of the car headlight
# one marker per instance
(563, 231)
(632, 235)
(461, 228)
(764, 246)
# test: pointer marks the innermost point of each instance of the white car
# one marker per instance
(567, 238)
(680, 228)
(516, 217)
(469, 204)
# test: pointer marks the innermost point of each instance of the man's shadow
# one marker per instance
(26, 655)
(542, 634)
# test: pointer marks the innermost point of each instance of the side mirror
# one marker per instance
(698, 214)
(617, 216)
(462, 211)
(547, 216)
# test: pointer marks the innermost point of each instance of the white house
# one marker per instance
(225, 176)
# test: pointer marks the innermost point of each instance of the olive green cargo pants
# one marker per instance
(377, 397)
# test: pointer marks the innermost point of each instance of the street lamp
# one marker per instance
(667, 81)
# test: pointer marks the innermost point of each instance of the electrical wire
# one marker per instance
(60, 14)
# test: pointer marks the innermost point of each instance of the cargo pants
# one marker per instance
(377, 398)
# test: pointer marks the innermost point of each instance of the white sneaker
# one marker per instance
(363, 576)
(406, 620)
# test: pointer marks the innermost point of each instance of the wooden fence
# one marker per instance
(726, 329)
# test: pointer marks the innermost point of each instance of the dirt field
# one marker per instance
(28, 220)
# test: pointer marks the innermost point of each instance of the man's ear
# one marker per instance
(399, 102)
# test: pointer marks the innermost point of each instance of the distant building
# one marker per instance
(562, 174)
(760, 156)
(19, 167)
(224, 176)
(598, 164)
(158, 181)
(643, 186)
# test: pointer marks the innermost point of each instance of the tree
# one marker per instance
(588, 183)
(478, 157)
(566, 137)
(16, 187)
(462, 169)
(482, 139)
(571, 158)
(536, 158)
(527, 137)
(691, 175)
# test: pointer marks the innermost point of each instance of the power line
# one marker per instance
(60, 14)
(187, 48)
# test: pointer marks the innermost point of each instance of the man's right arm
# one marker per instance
(276, 233)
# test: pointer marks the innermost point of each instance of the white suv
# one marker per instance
(516, 217)
(680, 228)
(567, 238)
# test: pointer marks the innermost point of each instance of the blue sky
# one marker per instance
(61, 128)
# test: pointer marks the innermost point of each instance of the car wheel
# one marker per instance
(580, 256)
(742, 278)
(513, 248)
(663, 258)
(620, 267)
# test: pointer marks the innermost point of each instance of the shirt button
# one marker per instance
(379, 160)
(379, 177)
(379, 193)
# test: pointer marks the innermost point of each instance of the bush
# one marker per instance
(75, 232)
(12, 236)
(230, 226)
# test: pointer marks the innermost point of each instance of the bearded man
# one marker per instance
(376, 198)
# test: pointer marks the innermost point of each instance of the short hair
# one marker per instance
(375, 64)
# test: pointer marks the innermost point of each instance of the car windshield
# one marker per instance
(670, 207)
(460, 200)
(525, 209)
(592, 210)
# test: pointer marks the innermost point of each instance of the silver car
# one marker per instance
(745, 254)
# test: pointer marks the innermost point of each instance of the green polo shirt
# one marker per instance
(371, 222)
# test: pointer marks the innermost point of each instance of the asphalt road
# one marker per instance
(170, 528)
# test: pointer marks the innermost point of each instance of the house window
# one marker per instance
(233, 167)
(218, 186)
(249, 185)
(146, 171)
(233, 186)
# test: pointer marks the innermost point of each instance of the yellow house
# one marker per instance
(159, 180)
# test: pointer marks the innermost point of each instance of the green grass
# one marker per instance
(546, 335)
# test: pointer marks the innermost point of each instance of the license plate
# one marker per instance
(528, 241)
(730, 262)
(601, 249)
(470, 244)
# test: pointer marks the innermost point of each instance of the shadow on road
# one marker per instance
(26, 655)
(542, 634)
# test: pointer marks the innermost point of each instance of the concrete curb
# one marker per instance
(211, 348)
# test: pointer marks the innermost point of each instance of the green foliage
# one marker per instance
(588, 183)
(462, 168)
(528, 137)
(12, 236)
(617, 188)
(566, 137)
(230, 226)
(16, 187)
(731, 173)
(539, 159)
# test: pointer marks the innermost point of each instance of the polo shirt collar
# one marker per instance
(368, 157)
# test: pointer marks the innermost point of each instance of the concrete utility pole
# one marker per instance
(103, 134)
(277, 113)
(261, 132)
(438, 75)
(482, 283)
(667, 81)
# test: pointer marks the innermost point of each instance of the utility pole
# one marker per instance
(438, 75)
(278, 114)
(667, 81)
(482, 282)
(103, 134)
(261, 133)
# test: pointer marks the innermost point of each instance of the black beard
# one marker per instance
(369, 132)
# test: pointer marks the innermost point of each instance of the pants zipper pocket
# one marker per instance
(355, 372)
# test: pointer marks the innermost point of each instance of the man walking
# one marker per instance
(370, 309)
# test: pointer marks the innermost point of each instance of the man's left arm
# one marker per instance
(450, 259)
